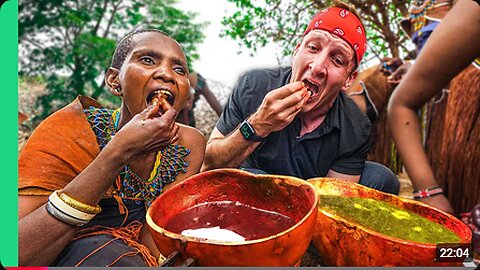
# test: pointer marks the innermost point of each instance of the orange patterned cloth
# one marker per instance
(60, 148)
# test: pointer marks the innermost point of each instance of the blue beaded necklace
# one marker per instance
(169, 162)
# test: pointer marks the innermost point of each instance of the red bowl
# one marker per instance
(289, 196)
(342, 243)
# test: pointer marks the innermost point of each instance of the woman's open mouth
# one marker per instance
(157, 94)
(158, 98)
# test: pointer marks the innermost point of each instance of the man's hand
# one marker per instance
(389, 65)
(394, 68)
(439, 201)
(397, 76)
(279, 108)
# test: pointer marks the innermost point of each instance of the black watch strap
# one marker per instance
(248, 132)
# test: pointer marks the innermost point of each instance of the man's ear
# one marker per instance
(350, 79)
(112, 82)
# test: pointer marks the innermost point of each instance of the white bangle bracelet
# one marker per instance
(59, 215)
(67, 209)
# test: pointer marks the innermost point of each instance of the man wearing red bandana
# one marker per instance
(298, 120)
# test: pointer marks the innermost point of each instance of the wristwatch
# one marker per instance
(248, 132)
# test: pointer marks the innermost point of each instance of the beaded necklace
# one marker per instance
(417, 14)
(418, 11)
(168, 161)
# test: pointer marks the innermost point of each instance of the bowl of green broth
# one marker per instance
(360, 226)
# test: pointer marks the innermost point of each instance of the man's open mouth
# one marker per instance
(311, 87)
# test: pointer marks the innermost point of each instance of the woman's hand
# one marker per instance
(148, 131)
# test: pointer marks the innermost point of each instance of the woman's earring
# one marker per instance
(118, 89)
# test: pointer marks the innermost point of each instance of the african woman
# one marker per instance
(88, 174)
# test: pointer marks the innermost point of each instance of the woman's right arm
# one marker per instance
(452, 46)
(41, 236)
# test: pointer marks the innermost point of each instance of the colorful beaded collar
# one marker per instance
(169, 162)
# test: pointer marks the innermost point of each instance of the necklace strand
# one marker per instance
(169, 162)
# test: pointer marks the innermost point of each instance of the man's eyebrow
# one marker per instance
(322, 37)
(315, 37)
(343, 50)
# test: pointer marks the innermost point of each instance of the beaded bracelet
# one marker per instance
(80, 206)
(428, 192)
(59, 215)
(59, 204)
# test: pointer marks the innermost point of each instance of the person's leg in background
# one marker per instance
(379, 177)
(252, 170)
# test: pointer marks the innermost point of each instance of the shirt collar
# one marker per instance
(332, 120)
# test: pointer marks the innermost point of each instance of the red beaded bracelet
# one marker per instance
(428, 192)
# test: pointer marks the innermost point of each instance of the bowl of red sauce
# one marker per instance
(229, 217)
(360, 226)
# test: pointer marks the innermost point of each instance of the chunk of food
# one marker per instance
(161, 100)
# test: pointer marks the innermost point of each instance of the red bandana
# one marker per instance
(344, 24)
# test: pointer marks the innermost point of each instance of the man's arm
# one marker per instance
(278, 109)
(348, 177)
(227, 151)
(450, 48)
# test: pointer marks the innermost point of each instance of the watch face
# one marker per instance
(246, 131)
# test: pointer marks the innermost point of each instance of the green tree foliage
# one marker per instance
(69, 43)
(256, 23)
